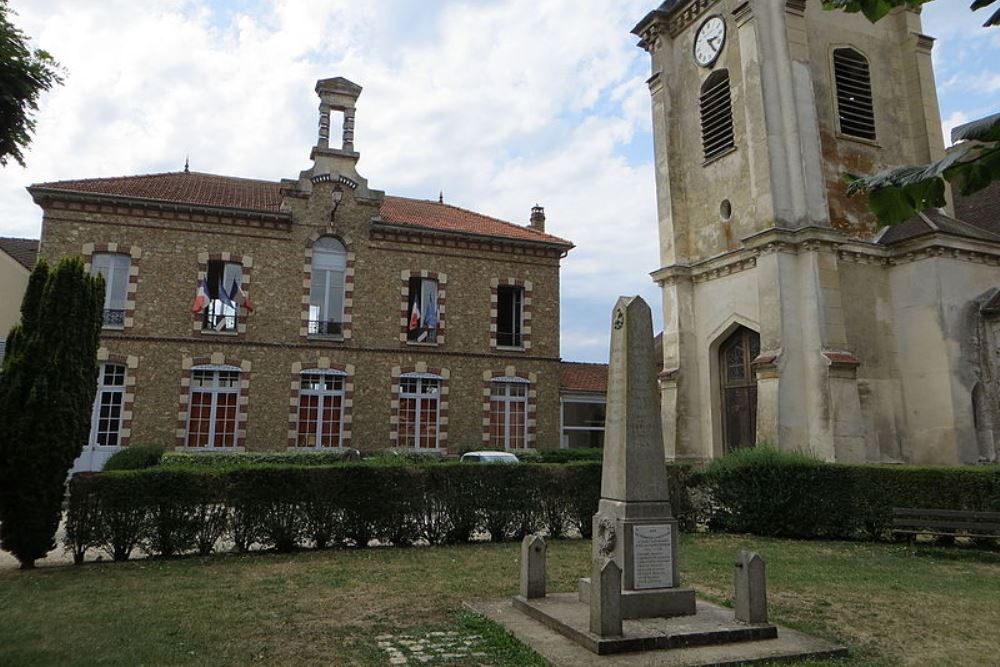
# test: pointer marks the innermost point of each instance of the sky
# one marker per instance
(500, 104)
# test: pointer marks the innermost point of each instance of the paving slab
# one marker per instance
(562, 651)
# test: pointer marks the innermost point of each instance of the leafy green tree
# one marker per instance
(971, 164)
(24, 75)
(47, 387)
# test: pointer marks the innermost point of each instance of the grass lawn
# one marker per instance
(891, 604)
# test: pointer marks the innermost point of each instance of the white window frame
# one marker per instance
(231, 271)
(114, 268)
(577, 398)
(105, 389)
(332, 262)
(507, 399)
(518, 342)
(420, 397)
(324, 396)
(214, 391)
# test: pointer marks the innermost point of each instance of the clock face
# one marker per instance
(709, 41)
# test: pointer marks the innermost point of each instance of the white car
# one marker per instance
(489, 457)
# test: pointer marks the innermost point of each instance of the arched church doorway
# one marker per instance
(739, 389)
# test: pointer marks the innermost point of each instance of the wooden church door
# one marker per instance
(739, 389)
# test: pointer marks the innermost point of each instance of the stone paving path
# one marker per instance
(432, 647)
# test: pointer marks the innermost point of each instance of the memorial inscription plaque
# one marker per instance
(652, 555)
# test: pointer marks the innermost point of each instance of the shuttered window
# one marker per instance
(716, 116)
(855, 109)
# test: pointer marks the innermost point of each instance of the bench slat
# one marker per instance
(907, 511)
(954, 524)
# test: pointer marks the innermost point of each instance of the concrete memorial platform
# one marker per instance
(634, 603)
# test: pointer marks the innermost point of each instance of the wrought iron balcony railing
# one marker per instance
(325, 328)
(114, 318)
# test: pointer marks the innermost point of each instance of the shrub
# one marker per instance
(242, 459)
(135, 457)
(570, 455)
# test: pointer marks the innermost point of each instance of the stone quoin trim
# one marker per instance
(135, 253)
(404, 312)
(495, 283)
(217, 359)
(419, 367)
(530, 418)
(321, 364)
(246, 264)
(131, 364)
(348, 287)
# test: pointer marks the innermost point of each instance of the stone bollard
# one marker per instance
(751, 588)
(533, 567)
(606, 598)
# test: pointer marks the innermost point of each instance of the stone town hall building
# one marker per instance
(376, 321)
(789, 317)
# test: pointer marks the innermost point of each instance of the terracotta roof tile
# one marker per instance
(445, 217)
(25, 251)
(183, 188)
(577, 376)
(265, 196)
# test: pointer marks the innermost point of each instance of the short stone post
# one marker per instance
(533, 567)
(751, 588)
(606, 598)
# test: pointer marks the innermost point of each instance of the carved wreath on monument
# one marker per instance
(606, 537)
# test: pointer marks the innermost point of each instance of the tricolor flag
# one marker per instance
(431, 314)
(415, 315)
(200, 298)
(239, 295)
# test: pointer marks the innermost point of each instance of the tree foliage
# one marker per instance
(876, 9)
(24, 75)
(47, 387)
(970, 165)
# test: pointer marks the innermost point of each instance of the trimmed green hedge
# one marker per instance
(167, 511)
(135, 457)
(767, 492)
(241, 459)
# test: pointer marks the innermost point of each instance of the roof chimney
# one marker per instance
(537, 220)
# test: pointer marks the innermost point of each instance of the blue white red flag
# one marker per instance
(200, 298)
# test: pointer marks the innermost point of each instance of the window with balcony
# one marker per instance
(321, 409)
(222, 282)
(423, 310)
(326, 288)
(510, 316)
(508, 428)
(114, 269)
(419, 411)
(213, 407)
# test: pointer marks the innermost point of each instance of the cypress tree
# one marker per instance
(47, 390)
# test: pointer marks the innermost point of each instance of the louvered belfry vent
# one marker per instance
(716, 116)
(855, 108)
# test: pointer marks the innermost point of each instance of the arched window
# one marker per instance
(855, 109)
(326, 288)
(716, 116)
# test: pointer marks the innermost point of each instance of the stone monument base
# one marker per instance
(557, 628)
(663, 602)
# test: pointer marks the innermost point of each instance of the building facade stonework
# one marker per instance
(322, 353)
(789, 317)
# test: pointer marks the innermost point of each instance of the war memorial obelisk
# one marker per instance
(634, 525)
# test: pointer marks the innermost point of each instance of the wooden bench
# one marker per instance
(950, 523)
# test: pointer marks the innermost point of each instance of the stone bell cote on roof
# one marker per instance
(334, 158)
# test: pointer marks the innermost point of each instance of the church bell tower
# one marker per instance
(759, 107)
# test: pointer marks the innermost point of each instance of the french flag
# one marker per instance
(239, 295)
(415, 315)
(200, 298)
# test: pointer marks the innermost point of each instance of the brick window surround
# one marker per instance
(348, 287)
(526, 308)
(131, 364)
(511, 371)
(321, 364)
(246, 269)
(420, 367)
(135, 253)
(216, 359)
(404, 305)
